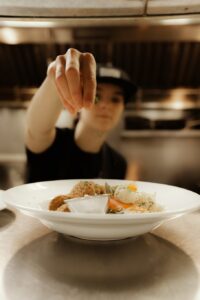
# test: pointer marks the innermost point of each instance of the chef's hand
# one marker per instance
(74, 74)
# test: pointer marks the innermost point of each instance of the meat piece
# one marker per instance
(63, 207)
(83, 188)
(58, 201)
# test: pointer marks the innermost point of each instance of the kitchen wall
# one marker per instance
(11, 131)
(12, 149)
(157, 42)
(12, 159)
(172, 159)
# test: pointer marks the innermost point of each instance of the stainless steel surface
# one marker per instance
(99, 30)
(80, 8)
(103, 8)
(35, 21)
(164, 157)
(12, 173)
(38, 264)
(160, 133)
(93, 8)
(172, 6)
(114, 30)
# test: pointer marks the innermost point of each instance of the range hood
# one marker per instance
(156, 57)
(100, 8)
(156, 42)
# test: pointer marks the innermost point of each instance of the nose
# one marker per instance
(103, 103)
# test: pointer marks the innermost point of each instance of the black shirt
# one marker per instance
(65, 160)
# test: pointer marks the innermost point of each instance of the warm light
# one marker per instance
(176, 21)
(178, 104)
(178, 100)
(28, 24)
(9, 36)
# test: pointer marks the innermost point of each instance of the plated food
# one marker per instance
(34, 199)
(89, 196)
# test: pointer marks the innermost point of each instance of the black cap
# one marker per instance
(110, 74)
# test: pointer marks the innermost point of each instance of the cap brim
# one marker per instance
(129, 88)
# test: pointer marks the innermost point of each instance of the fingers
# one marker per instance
(72, 72)
(74, 75)
(88, 65)
(62, 85)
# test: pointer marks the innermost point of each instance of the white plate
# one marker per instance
(2, 204)
(33, 199)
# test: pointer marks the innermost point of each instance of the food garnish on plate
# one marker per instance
(122, 198)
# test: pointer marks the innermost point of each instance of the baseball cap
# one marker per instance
(109, 74)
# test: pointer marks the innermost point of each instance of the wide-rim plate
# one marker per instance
(32, 198)
(2, 204)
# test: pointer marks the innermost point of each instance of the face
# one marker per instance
(106, 113)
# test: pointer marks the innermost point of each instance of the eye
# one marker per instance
(117, 99)
(97, 98)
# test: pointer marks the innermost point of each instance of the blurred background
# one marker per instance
(156, 42)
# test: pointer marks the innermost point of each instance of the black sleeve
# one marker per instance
(120, 166)
(42, 166)
(115, 165)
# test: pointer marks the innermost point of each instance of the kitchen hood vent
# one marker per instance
(152, 65)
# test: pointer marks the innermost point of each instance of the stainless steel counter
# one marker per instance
(38, 264)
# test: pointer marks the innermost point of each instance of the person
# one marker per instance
(74, 81)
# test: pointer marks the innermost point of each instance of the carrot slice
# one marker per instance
(114, 203)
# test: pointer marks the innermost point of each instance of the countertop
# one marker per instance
(37, 264)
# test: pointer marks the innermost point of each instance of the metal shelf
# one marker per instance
(160, 133)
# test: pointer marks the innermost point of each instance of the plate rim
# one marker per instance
(2, 202)
(92, 216)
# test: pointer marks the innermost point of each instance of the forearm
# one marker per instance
(133, 171)
(71, 80)
(42, 115)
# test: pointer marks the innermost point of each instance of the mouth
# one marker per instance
(106, 117)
